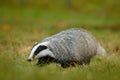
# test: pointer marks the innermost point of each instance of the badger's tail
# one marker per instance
(100, 50)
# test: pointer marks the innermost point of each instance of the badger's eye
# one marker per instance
(35, 53)
(40, 48)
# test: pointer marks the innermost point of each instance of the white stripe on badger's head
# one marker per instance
(40, 50)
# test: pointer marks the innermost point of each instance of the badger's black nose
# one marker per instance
(29, 60)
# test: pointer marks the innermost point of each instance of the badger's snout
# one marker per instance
(29, 60)
(31, 57)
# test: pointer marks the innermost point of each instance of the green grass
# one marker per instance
(20, 28)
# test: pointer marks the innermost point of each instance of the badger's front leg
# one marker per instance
(45, 60)
(41, 62)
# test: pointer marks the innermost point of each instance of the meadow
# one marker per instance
(21, 27)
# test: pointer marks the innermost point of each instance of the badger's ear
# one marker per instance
(35, 43)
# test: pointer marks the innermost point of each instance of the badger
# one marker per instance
(67, 48)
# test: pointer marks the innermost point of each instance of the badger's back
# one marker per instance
(72, 45)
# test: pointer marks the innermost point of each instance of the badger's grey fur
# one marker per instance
(70, 47)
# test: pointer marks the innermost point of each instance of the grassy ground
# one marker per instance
(20, 28)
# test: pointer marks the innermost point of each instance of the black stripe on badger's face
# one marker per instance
(40, 48)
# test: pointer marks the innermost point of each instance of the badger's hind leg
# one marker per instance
(65, 65)
(86, 61)
(74, 63)
(68, 64)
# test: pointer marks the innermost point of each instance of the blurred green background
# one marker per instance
(23, 22)
(93, 13)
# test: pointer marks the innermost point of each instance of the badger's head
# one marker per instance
(40, 50)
